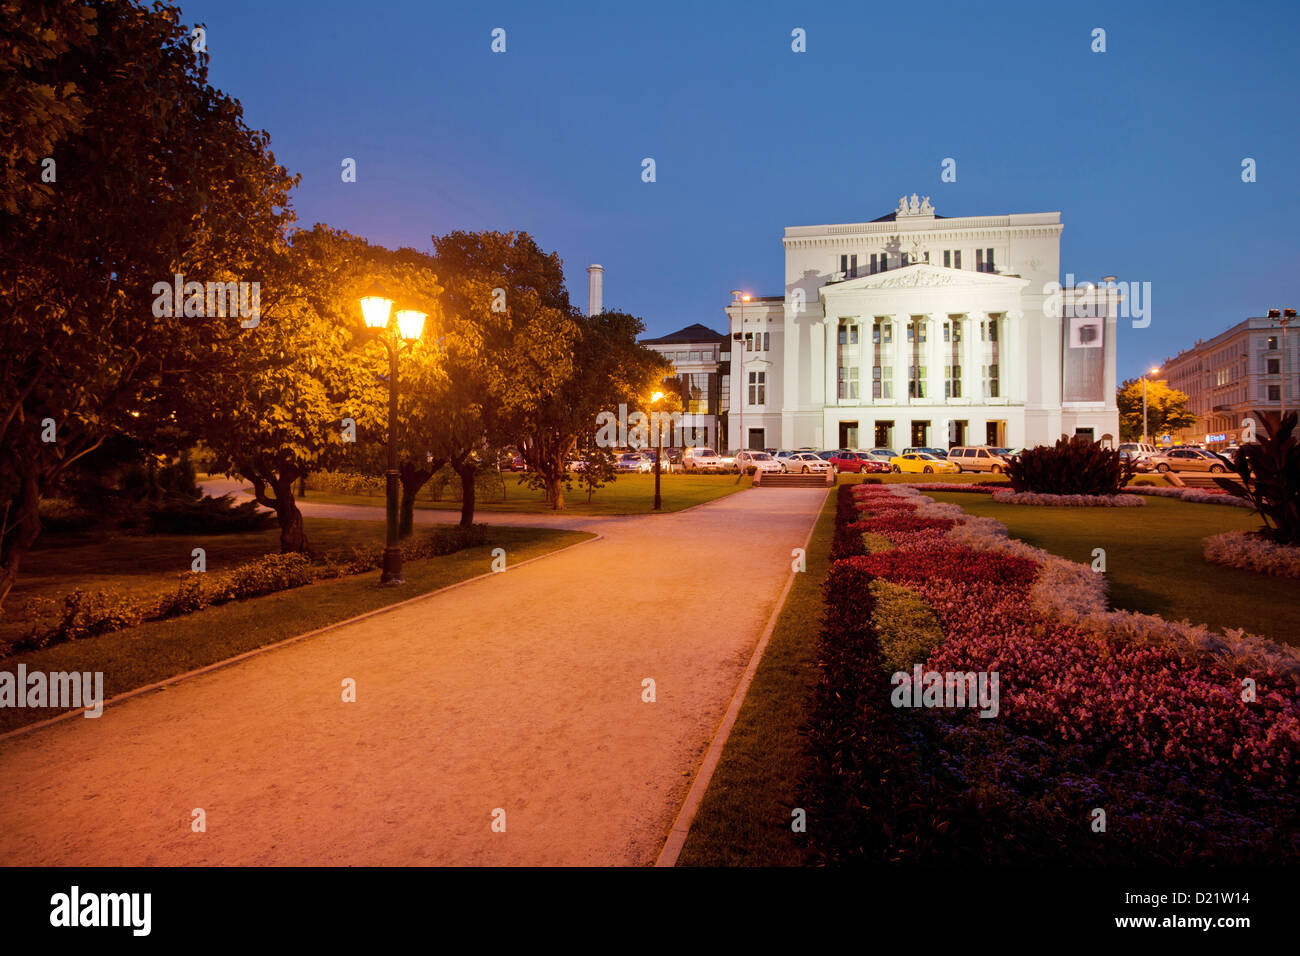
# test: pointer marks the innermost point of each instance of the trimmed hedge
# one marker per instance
(87, 613)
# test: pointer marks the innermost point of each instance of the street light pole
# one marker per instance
(659, 455)
(375, 310)
(1154, 371)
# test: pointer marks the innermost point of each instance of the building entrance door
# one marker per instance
(755, 439)
(995, 434)
(919, 432)
(956, 433)
(848, 435)
(884, 435)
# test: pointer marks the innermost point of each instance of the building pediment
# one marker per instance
(923, 275)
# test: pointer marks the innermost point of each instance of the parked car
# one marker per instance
(937, 452)
(781, 454)
(978, 458)
(849, 461)
(922, 462)
(1140, 464)
(884, 454)
(698, 458)
(759, 461)
(1137, 449)
(1188, 459)
(631, 461)
(806, 462)
(517, 463)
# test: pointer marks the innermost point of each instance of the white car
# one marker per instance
(805, 462)
(759, 461)
(705, 459)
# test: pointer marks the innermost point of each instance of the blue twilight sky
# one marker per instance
(1139, 148)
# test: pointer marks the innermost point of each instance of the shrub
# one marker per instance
(78, 614)
(1074, 466)
(1269, 470)
(206, 515)
(346, 483)
(1253, 553)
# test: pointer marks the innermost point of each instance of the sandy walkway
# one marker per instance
(521, 691)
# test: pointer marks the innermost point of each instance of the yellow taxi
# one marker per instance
(922, 463)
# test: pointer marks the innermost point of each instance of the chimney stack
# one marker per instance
(595, 281)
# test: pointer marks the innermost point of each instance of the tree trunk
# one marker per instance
(555, 492)
(24, 528)
(293, 537)
(466, 468)
(413, 479)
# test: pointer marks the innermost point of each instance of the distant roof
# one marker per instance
(692, 333)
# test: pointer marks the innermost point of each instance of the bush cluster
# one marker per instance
(84, 613)
(1073, 466)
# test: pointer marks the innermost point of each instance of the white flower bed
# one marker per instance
(1237, 549)
(1068, 501)
(1076, 595)
(1195, 495)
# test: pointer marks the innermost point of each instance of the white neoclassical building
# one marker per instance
(919, 330)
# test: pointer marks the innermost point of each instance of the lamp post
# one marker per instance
(659, 455)
(375, 310)
(737, 348)
(1153, 371)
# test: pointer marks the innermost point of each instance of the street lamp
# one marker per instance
(375, 310)
(1284, 317)
(737, 348)
(1154, 371)
(659, 455)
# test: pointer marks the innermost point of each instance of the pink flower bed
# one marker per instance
(1148, 691)
(1253, 553)
(1068, 501)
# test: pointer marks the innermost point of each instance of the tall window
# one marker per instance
(882, 381)
(884, 262)
(767, 341)
(848, 382)
(916, 381)
(758, 388)
(1272, 343)
(984, 260)
(947, 258)
(882, 332)
(991, 380)
(952, 381)
(874, 264)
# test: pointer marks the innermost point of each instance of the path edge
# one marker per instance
(681, 828)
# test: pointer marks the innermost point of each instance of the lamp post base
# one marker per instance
(392, 571)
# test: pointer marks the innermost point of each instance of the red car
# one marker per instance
(852, 461)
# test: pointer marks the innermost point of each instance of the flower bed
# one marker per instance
(1250, 552)
(1136, 715)
(1198, 496)
(1068, 501)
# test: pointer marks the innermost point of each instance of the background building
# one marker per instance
(1227, 378)
(916, 329)
(699, 357)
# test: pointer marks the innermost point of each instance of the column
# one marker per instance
(816, 367)
(900, 357)
(832, 365)
(1014, 340)
(970, 371)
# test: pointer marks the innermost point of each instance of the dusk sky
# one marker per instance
(1139, 148)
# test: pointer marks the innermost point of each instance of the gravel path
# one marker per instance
(520, 691)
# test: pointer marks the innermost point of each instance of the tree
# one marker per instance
(506, 332)
(606, 368)
(155, 174)
(1166, 409)
(313, 380)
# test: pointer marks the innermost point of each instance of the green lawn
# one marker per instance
(159, 649)
(744, 819)
(629, 494)
(1154, 559)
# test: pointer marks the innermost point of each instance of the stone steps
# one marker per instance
(793, 481)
